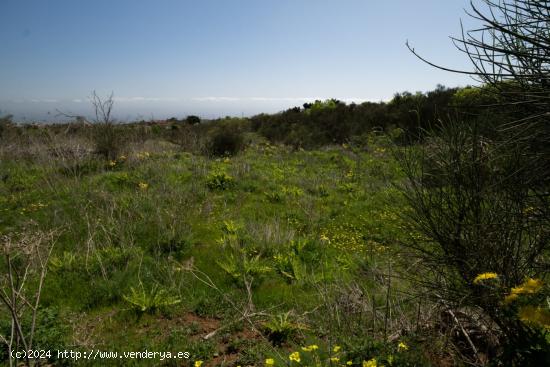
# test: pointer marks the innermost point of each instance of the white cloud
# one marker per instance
(216, 99)
(46, 100)
(144, 99)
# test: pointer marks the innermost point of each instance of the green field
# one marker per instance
(273, 250)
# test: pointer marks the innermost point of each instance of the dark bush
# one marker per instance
(192, 120)
(225, 141)
(5, 124)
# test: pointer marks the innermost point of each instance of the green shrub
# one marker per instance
(280, 328)
(150, 300)
(5, 124)
(225, 142)
(219, 181)
(109, 139)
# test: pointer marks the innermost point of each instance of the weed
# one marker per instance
(151, 300)
(219, 181)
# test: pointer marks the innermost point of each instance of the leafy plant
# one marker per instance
(280, 328)
(274, 197)
(151, 300)
(59, 263)
(219, 181)
(243, 266)
(226, 141)
(290, 267)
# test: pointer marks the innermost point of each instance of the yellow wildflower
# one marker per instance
(112, 163)
(530, 286)
(535, 315)
(349, 363)
(198, 363)
(370, 363)
(402, 347)
(485, 276)
(511, 298)
(336, 348)
(143, 186)
(310, 348)
(269, 362)
(295, 356)
(334, 359)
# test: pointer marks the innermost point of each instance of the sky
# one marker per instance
(215, 58)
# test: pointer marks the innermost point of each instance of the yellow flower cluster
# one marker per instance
(347, 237)
(295, 356)
(485, 276)
(310, 348)
(335, 358)
(198, 363)
(143, 186)
(143, 155)
(535, 315)
(33, 207)
(530, 286)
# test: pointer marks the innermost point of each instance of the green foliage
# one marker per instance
(225, 142)
(195, 213)
(333, 122)
(5, 125)
(150, 300)
(290, 267)
(65, 262)
(242, 266)
(109, 139)
(192, 119)
(282, 327)
(219, 181)
(473, 207)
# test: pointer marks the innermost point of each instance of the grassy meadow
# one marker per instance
(288, 239)
(237, 260)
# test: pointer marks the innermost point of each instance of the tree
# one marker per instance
(193, 120)
(510, 52)
(479, 195)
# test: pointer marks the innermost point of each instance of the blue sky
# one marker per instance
(219, 57)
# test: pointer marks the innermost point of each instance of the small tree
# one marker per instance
(480, 200)
(108, 139)
(193, 120)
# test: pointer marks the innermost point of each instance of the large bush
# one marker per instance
(225, 141)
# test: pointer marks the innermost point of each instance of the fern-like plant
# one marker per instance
(282, 327)
(239, 266)
(151, 300)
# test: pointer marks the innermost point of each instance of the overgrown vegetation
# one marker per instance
(409, 233)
